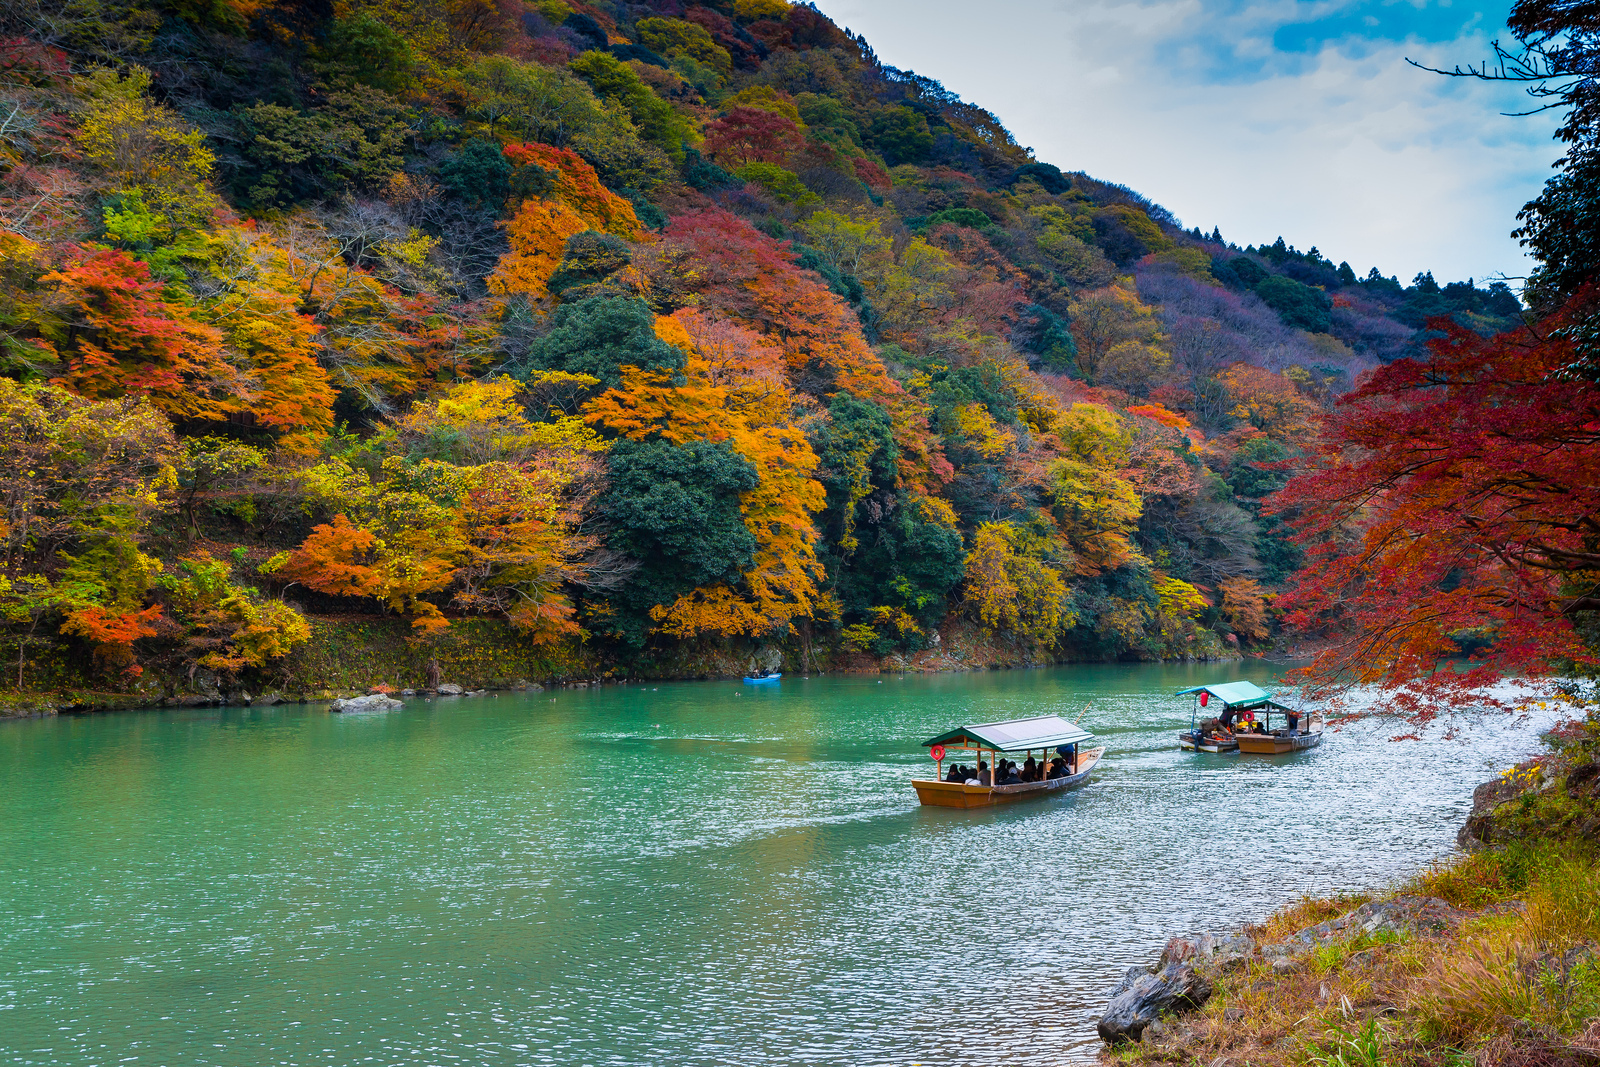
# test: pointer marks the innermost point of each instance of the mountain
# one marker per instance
(647, 330)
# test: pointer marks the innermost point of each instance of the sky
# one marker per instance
(1298, 118)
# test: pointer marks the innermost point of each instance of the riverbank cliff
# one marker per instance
(1491, 958)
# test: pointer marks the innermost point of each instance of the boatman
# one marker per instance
(1294, 722)
(1226, 718)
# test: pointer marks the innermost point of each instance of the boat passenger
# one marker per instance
(983, 772)
(1030, 770)
(1008, 774)
(957, 773)
(1225, 720)
(1058, 769)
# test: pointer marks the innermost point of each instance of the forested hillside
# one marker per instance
(641, 326)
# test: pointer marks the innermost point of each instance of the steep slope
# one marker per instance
(655, 326)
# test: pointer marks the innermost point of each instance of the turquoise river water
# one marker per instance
(686, 874)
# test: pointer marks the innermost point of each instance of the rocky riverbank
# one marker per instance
(1491, 959)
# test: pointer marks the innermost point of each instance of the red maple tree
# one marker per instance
(1453, 503)
(752, 135)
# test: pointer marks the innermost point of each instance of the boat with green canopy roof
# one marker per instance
(1235, 725)
(1041, 733)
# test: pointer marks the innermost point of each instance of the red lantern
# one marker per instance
(1204, 698)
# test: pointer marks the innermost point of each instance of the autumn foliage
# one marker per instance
(639, 327)
(1450, 505)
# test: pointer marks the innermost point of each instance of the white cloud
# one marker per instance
(1347, 148)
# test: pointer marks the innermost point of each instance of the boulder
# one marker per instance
(268, 699)
(1144, 996)
(242, 698)
(370, 702)
(449, 689)
(1214, 951)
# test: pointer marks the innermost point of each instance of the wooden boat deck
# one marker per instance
(959, 795)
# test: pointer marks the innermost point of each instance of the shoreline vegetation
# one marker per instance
(1490, 958)
(351, 656)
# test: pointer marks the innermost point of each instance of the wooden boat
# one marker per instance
(1278, 742)
(1244, 700)
(759, 679)
(1043, 733)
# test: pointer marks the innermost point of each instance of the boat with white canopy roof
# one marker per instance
(1041, 733)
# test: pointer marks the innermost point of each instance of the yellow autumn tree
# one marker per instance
(1094, 507)
(1105, 319)
(146, 147)
(477, 506)
(1009, 591)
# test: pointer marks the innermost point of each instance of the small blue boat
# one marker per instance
(762, 679)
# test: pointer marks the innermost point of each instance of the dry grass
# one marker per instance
(1514, 987)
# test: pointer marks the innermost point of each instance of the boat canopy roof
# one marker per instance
(1016, 735)
(1243, 695)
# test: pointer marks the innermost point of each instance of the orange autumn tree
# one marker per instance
(753, 417)
(122, 337)
(474, 505)
(539, 231)
(1270, 402)
(260, 318)
(336, 559)
(742, 274)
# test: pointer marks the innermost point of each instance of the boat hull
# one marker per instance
(1277, 744)
(956, 795)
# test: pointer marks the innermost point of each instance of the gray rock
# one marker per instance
(370, 702)
(267, 699)
(1132, 975)
(1404, 914)
(408, 692)
(1143, 997)
(450, 689)
(1212, 953)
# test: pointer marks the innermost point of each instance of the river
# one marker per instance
(688, 874)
